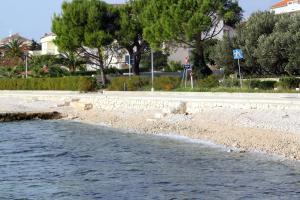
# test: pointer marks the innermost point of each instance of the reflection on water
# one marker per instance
(67, 160)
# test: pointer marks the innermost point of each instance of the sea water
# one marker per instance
(61, 160)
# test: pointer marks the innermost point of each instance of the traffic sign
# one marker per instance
(238, 54)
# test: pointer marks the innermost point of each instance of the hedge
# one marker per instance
(288, 83)
(136, 83)
(72, 83)
(264, 85)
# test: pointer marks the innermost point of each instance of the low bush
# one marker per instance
(208, 82)
(123, 83)
(288, 83)
(230, 82)
(136, 83)
(84, 84)
(173, 66)
(264, 85)
(166, 83)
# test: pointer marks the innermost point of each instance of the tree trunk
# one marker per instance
(103, 77)
(199, 65)
(101, 67)
(136, 64)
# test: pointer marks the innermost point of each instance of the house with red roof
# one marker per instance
(286, 6)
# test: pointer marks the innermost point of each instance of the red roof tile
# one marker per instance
(281, 4)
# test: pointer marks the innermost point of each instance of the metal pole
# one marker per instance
(192, 81)
(26, 66)
(129, 67)
(185, 78)
(241, 82)
(152, 71)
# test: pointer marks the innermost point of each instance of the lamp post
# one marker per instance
(152, 72)
(26, 58)
(25, 55)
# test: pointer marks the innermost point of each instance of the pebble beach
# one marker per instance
(265, 123)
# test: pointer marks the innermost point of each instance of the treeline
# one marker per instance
(271, 46)
(95, 30)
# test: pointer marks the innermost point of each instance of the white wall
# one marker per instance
(293, 7)
(48, 46)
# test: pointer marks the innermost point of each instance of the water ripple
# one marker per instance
(73, 161)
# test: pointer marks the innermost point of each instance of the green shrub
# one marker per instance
(166, 83)
(173, 67)
(208, 82)
(264, 85)
(56, 71)
(230, 82)
(63, 83)
(133, 83)
(288, 83)
(136, 83)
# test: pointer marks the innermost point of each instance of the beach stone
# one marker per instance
(81, 106)
(64, 104)
(230, 150)
(180, 109)
(159, 115)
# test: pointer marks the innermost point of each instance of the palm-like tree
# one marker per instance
(14, 49)
(71, 61)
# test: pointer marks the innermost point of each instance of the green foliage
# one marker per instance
(71, 60)
(166, 83)
(130, 32)
(221, 54)
(187, 22)
(288, 83)
(208, 82)
(86, 24)
(89, 23)
(65, 83)
(55, 71)
(263, 85)
(230, 83)
(14, 49)
(270, 43)
(35, 46)
(134, 83)
(173, 66)
(43, 60)
(160, 60)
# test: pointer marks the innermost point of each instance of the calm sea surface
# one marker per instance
(59, 160)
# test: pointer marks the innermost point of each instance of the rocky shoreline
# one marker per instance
(22, 116)
(246, 122)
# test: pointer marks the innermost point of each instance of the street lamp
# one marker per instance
(25, 55)
(152, 72)
(26, 60)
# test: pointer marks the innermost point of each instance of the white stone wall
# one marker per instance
(167, 101)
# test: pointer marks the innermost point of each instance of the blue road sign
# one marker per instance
(238, 54)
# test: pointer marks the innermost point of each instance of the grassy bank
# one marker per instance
(209, 84)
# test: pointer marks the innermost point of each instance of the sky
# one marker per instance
(32, 18)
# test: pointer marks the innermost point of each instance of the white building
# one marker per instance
(48, 46)
(286, 6)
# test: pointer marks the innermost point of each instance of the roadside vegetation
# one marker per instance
(90, 32)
